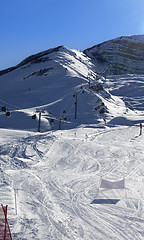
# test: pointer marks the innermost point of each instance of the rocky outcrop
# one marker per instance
(119, 56)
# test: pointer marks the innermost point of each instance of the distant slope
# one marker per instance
(68, 86)
(119, 56)
(51, 80)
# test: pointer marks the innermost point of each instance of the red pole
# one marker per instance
(140, 129)
(9, 232)
(6, 224)
(5, 213)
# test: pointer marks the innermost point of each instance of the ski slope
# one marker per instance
(49, 181)
(49, 178)
(50, 82)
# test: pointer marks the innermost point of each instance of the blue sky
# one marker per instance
(30, 26)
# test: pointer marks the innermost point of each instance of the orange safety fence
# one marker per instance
(5, 233)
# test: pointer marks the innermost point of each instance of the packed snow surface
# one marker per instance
(49, 181)
(49, 178)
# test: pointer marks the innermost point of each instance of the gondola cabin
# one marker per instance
(52, 121)
(34, 116)
(3, 109)
(8, 114)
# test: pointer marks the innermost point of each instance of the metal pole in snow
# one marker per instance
(15, 201)
(5, 214)
(39, 121)
(6, 224)
(40, 111)
(76, 106)
(89, 82)
(140, 129)
(59, 122)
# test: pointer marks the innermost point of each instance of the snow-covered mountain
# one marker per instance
(54, 80)
(49, 179)
(67, 85)
(121, 55)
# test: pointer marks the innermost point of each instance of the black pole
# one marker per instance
(89, 82)
(39, 121)
(76, 107)
(59, 123)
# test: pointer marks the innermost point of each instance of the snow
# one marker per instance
(49, 181)
(120, 55)
(137, 37)
(50, 178)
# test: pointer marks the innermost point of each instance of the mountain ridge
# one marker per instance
(121, 55)
(51, 81)
(29, 59)
(66, 83)
(98, 53)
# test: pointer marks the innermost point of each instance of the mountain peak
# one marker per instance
(121, 55)
(32, 58)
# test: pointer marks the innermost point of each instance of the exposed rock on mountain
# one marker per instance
(119, 56)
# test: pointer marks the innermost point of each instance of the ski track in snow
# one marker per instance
(49, 179)
(53, 194)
